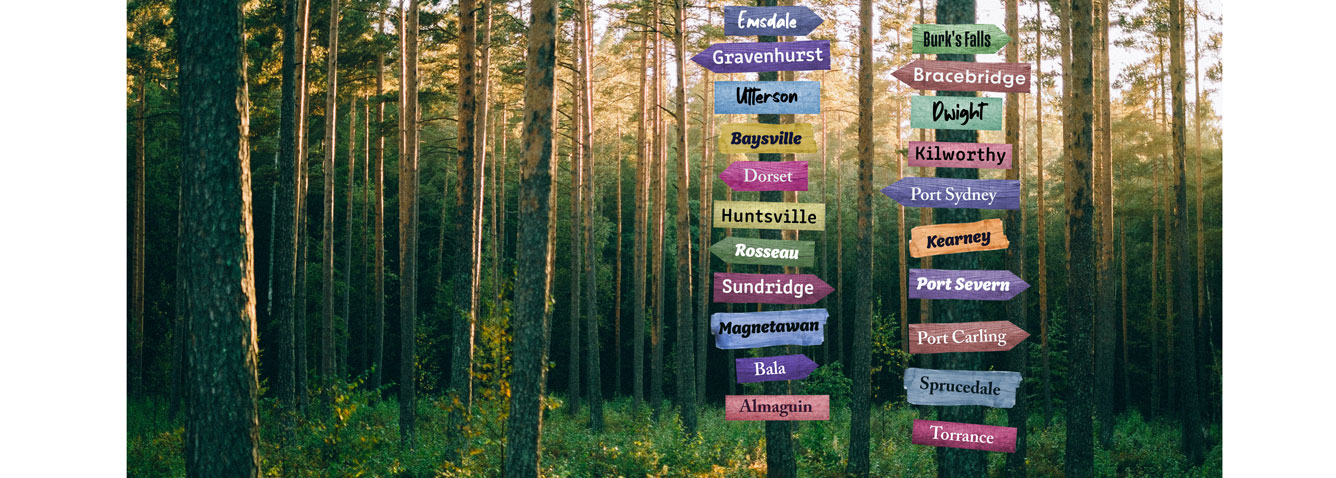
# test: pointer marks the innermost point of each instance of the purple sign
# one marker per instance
(770, 56)
(743, 288)
(956, 193)
(766, 176)
(968, 285)
(781, 367)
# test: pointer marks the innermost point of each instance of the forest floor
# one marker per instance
(360, 437)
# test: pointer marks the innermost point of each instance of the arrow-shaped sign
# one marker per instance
(956, 193)
(936, 338)
(961, 387)
(769, 56)
(965, 76)
(769, 288)
(744, 330)
(767, 97)
(766, 175)
(777, 407)
(964, 435)
(960, 155)
(768, 252)
(931, 240)
(970, 39)
(955, 112)
(769, 21)
(967, 285)
(768, 369)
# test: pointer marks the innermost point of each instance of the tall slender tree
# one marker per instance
(1188, 405)
(1081, 284)
(576, 267)
(137, 283)
(1018, 307)
(860, 370)
(661, 210)
(472, 179)
(593, 379)
(1041, 208)
(222, 430)
(534, 252)
(302, 221)
(641, 229)
(408, 226)
(283, 275)
(327, 364)
(1105, 334)
(377, 328)
(686, 333)
(348, 241)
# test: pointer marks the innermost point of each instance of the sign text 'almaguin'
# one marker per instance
(744, 330)
(936, 338)
(995, 389)
(777, 407)
(964, 435)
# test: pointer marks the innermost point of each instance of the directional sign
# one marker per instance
(955, 112)
(768, 252)
(996, 336)
(965, 76)
(766, 176)
(769, 56)
(964, 435)
(956, 193)
(967, 285)
(961, 387)
(768, 369)
(777, 407)
(767, 97)
(766, 138)
(743, 288)
(802, 216)
(985, 235)
(934, 39)
(769, 21)
(744, 330)
(959, 155)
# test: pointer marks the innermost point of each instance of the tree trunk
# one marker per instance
(534, 252)
(1155, 359)
(302, 220)
(641, 226)
(1081, 283)
(1122, 247)
(1041, 209)
(360, 325)
(408, 228)
(593, 379)
(471, 181)
(617, 301)
(348, 242)
(661, 205)
(222, 429)
(137, 284)
(327, 364)
(576, 267)
(686, 324)
(706, 187)
(1186, 360)
(860, 370)
(378, 315)
(1105, 334)
(1018, 307)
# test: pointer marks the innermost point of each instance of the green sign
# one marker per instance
(769, 252)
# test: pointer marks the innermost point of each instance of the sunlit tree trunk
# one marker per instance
(661, 210)
(471, 179)
(1105, 334)
(593, 378)
(576, 268)
(860, 369)
(1041, 209)
(1186, 360)
(1017, 307)
(1081, 282)
(348, 242)
(137, 284)
(327, 363)
(686, 324)
(641, 226)
(408, 228)
(377, 327)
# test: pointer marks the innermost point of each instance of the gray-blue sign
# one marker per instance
(961, 387)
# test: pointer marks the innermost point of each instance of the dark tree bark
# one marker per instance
(954, 461)
(686, 324)
(471, 181)
(284, 266)
(860, 370)
(344, 324)
(1105, 331)
(1186, 361)
(408, 227)
(1081, 283)
(576, 267)
(1018, 307)
(661, 210)
(377, 327)
(137, 284)
(706, 191)
(327, 359)
(534, 252)
(641, 227)
(1041, 209)
(302, 220)
(593, 378)
(222, 430)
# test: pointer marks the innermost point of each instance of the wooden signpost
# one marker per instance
(959, 155)
(966, 285)
(776, 407)
(743, 330)
(936, 338)
(766, 252)
(961, 387)
(761, 57)
(766, 138)
(769, 369)
(955, 112)
(985, 235)
(965, 76)
(770, 215)
(769, 21)
(969, 39)
(741, 288)
(964, 435)
(767, 97)
(956, 193)
(766, 176)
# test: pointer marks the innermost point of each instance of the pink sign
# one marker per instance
(766, 175)
(959, 155)
(964, 435)
(778, 407)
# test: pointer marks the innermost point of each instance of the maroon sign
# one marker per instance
(766, 176)
(997, 336)
(964, 435)
(959, 155)
(769, 288)
(776, 407)
(965, 76)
